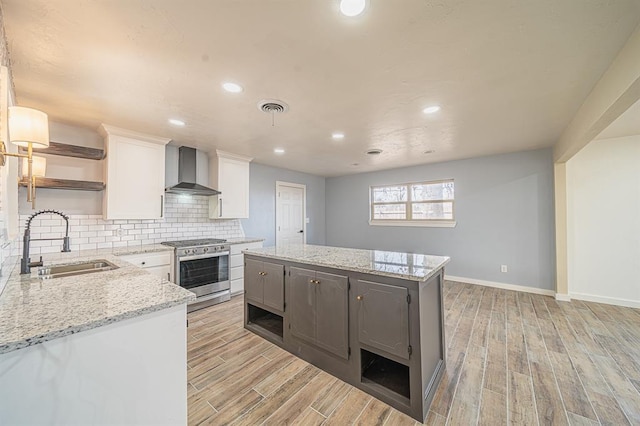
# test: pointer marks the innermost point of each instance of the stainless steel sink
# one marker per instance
(100, 265)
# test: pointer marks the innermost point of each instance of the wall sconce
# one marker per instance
(38, 170)
(27, 128)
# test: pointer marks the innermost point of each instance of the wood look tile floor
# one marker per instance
(512, 357)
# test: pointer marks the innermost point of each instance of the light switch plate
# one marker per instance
(306, 220)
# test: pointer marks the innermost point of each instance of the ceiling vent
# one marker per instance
(272, 106)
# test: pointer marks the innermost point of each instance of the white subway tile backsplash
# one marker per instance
(185, 217)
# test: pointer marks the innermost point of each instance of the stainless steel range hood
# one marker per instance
(187, 175)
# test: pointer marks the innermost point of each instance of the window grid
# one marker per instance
(409, 203)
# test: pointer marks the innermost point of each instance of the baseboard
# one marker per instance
(608, 300)
(503, 286)
(563, 297)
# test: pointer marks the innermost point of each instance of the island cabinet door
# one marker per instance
(383, 317)
(253, 287)
(302, 303)
(332, 313)
(273, 285)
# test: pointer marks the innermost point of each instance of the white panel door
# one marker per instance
(290, 214)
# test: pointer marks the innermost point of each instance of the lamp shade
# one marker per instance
(27, 125)
(39, 166)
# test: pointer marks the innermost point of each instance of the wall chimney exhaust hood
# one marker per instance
(187, 175)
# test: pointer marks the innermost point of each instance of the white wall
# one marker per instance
(603, 189)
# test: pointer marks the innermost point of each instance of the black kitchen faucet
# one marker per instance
(25, 262)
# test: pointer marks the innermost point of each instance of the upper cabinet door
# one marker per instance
(134, 174)
(229, 174)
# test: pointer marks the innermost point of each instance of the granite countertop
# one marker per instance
(33, 311)
(244, 240)
(409, 266)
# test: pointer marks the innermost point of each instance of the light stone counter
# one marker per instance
(33, 311)
(244, 240)
(415, 267)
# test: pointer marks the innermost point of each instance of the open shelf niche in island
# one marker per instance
(378, 326)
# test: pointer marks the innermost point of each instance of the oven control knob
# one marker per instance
(206, 249)
(187, 251)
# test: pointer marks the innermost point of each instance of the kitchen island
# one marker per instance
(371, 318)
(105, 347)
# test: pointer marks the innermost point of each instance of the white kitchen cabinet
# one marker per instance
(229, 174)
(126, 373)
(237, 265)
(159, 263)
(134, 174)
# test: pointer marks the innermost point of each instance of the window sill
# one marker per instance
(426, 224)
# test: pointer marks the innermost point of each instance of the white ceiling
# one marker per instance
(509, 75)
(628, 124)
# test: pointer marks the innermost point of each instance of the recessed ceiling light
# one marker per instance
(176, 122)
(352, 7)
(374, 152)
(279, 151)
(431, 109)
(232, 87)
(338, 135)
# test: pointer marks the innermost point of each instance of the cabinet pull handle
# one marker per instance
(220, 202)
(144, 263)
(359, 297)
(168, 276)
(312, 281)
(317, 281)
(264, 273)
(162, 206)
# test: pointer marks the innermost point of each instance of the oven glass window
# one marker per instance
(194, 273)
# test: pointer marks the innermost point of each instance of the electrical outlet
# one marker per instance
(503, 268)
(119, 232)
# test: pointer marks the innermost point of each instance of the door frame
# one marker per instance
(280, 184)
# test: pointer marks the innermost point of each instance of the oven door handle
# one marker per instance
(204, 256)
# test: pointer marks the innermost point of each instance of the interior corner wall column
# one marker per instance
(615, 92)
(560, 190)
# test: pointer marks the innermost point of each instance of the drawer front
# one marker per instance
(237, 248)
(149, 260)
(237, 286)
(163, 271)
(237, 272)
(236, 260)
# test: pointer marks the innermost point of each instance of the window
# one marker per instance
(413, 204)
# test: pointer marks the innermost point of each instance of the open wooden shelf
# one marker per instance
(57, 148)
(82, 185)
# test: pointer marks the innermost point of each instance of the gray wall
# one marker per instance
(504, 213)
(262, 203)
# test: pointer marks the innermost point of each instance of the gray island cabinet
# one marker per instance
(371, 318)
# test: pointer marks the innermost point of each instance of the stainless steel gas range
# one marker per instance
(202, 267)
